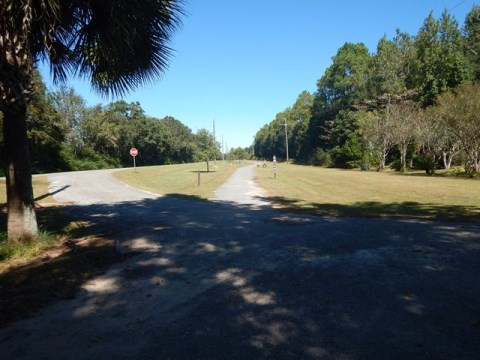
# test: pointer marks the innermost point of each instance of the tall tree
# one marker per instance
(441, 64)
(434, 134)
(391, 66)
(344, 83)
(471, 32)
(72, 108)
(375, 129)
(205, 147)
(403, 117)
(102, 131)
(177, 139)
(45, 128)
(116, 44)
(348, 150)
(299, 120)
(460, 113)
(261, 147)
(270, 140)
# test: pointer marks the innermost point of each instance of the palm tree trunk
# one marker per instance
(16, 66)
(22, 222)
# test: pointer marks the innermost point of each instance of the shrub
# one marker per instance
(321, 158)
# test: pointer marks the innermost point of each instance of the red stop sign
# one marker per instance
(133, 152)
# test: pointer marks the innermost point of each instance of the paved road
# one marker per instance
(93, 187)
(234, 279)
(241, 189)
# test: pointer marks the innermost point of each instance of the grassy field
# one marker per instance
(368, 193)
(180, 180)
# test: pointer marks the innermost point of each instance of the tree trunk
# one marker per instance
(383, 157)
(16, 67)
(403, 157)
(22, 222)
(381, 162)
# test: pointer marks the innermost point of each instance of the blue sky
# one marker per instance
(241, 62)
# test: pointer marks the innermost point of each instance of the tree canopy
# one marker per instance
(390, 106)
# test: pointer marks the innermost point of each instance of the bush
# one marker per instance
(87, 159)
(396, 165)
(350, 154)
(425, 162)
(321, 158)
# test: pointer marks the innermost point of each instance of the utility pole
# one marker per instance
(286, 137)
(213, 128)
(214, 142)
(223, 150)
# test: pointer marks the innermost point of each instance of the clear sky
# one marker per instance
(241, 62)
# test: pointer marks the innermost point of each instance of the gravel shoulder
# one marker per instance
(233, 278)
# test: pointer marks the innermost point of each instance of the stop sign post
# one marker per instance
(134, 153)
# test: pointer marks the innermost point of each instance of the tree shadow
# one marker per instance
(58, 274)
(51, 193)
(203, 171)
(187, 197)
(376, 209)
(217, 280)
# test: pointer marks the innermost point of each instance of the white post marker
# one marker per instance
(274, 167)
(133, 153)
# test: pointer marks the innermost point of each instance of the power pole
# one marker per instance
(223, 150)
(286, 138)
(214, 142)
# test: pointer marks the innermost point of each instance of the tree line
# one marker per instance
(415, 102)
(66, 135)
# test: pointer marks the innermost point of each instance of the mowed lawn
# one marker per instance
(180, 180)
(369, 193)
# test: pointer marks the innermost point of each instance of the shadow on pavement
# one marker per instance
(216, 280)
(375, 209)
(63, 188)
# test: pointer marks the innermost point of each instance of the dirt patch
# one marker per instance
(53, 275)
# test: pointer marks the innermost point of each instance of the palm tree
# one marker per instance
(117, 44)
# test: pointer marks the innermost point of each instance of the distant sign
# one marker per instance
(133, 152)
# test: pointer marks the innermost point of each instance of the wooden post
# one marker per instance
(198, 180)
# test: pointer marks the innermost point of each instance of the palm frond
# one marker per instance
(116, 44)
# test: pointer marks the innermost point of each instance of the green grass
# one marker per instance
(180, 180)
(368, 193)
(55, 227)
(11, 249)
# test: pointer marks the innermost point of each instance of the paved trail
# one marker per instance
(241, 189)
(234, 279)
